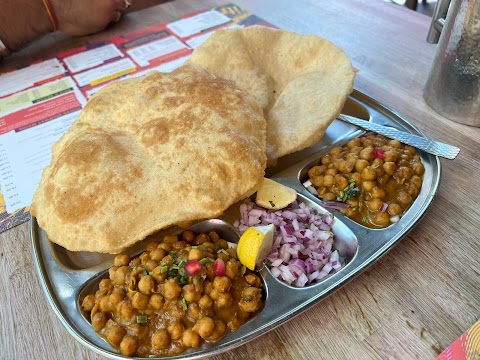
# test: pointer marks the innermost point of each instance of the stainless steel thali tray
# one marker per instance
(67, 276)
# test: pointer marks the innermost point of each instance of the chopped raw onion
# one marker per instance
(395, 219)
(303, 240)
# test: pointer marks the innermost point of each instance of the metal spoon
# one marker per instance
(430, 146)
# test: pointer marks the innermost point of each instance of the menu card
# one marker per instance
(39, 102)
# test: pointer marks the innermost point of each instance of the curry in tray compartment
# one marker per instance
(178, 294)
(375, 179)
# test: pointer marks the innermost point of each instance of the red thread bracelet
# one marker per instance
(51, 14)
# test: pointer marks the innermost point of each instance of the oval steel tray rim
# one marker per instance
(323, 289)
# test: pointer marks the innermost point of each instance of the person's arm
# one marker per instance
(22, 21)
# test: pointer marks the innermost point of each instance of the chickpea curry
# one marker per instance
(378, 178)
(178, 294)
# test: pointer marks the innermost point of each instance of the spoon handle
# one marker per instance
(430, 146)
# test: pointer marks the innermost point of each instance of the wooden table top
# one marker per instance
(413, 303)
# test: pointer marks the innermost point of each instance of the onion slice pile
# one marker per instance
(302, 248)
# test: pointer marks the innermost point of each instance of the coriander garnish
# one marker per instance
(184, 304)
(271, 203)
(142, 319)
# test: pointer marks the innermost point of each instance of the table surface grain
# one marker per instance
(412, 303)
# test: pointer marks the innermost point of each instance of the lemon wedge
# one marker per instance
(254, 245)
(273, 195)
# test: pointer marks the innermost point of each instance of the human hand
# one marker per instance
(87, 16)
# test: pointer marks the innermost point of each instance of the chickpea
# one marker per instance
(369, 174)
(366, 154)
(328, 180)
(104, 303)
(178, 245)
(317, 181)
(361, 164)
(232, 253)
(222, 283)
(167, 261)
(356, 150)
(353, 203)
(329, 196)
(253, 280)
(341, 181)
(111, 272)
(201, 238)
(383, 179)
(140, 301)
(331, 171)
(115, 334)
(158, 276)
(218, 331)
(126, 309)
(417, 180)
(395, 144)
(214, 294)
(161, 339)
(167, 247)
(234, 324)
(176, 330)
(222, 243)
(88, 302)
(389, 167)
(146, 284)
(326, 159)
(357, 177)
(405, 173)
(317, 171)
(156, 301)
(172, 289)
(366, 142)
(375, 204)
(351, 158)
(158, 254)
(394, 209)
(188, 236)
(170, 239)
(231, 269)
(404, 198)
(196, 254)
(150, 265)
(345, 166)
(190, 338)
(403, 162)
(105, 285)
(412, 189)
(204, 327)
(152, 245)
(410, 150)
(390, 156)
(418, 168)
(368, 185)
(129, 345)
(193, 311)
(336, 150)
(352, 143)
(117, 295)
(120, 274)
(378, 192)
(251, 299)
(99, 319)
(121, 260)
(205, 302)
(190, 294)
(380, 218)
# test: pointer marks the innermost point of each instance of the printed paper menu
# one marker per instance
(39, 102)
